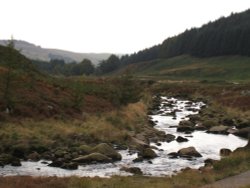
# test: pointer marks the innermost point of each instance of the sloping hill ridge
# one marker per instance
(34, 52)
(225, 36)
(188, 67)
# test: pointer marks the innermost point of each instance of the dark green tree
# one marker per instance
(109, 65)
(10, 65)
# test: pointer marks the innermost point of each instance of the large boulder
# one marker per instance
(137, 144)
(218, 130)
(148, 153)
(245, 132)
(16, 162)
(181, 139)
(186, 123)
(108, 151)
(170, 137)
(185, 129)
(70, 166)
(93, 158)
(57, 162)
(173, 155)
(189, 152)
(84, 150)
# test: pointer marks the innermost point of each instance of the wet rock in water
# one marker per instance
(173, 126)
(218, 130)
(108, 151)
(194, 118)
(200, 127)
(232, 131)
(148, 154)
(186, 129)
(225, 152)
(158, 144)
(151, 123)
(132, 170)
(245, 132)
(186, 123)
(170, 137)
(16, 162)
(121, 147)
(189, 152)
(93, 158)
(138, 159)
(137, 144)
(70, 166)
(192, 109)
(181, 139)
(57, 162)
(34, 156)
(173, 155)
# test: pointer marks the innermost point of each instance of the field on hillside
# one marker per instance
(186, 67)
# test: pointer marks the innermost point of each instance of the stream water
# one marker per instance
(208, 145)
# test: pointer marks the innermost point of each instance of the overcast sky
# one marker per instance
(116, 26)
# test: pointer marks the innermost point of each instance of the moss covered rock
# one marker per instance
(148, 153)
(108, 151)
(189, 152)
(93, 158)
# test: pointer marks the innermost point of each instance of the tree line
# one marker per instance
(225, 36)
(85, 67)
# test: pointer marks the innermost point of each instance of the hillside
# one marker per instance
(225, 36)
(34, 52)
(188, 67)
(26, 92)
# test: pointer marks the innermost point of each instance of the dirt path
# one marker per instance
(237, 181)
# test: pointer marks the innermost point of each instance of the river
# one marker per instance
(208, 145)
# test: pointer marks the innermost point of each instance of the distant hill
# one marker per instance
(225, 36)
(34, 52)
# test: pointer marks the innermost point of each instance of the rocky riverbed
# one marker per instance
(187, 143)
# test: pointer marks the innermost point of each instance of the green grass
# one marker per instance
(187, 67)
